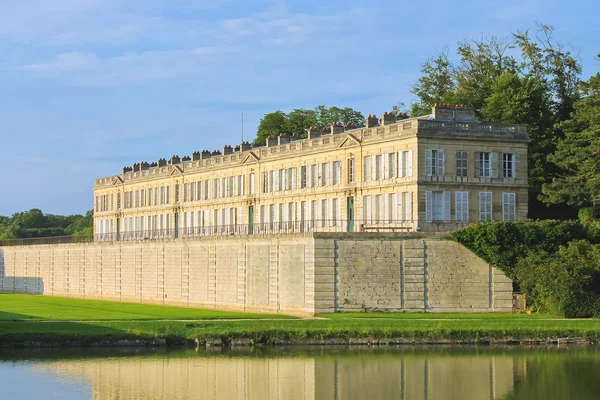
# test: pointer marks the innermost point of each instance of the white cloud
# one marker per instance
(64, 62)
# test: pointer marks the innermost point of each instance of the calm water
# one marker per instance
(395, 373)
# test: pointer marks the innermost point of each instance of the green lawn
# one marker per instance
(22, 307)
(25, 317)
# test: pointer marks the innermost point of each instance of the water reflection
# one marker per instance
(392, 373)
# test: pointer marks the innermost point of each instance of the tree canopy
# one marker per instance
(34, 223)
(299, 120)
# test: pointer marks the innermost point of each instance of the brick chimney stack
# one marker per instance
(245, 146)
(443, 112)
(337, 128)
(283, 138)
(162, 162)
(271, 141)
(388, 118)
(462, 113)
(372, 121)
(227, 150)
(205, 154)
(313, 133)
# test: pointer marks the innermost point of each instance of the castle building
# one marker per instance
(438, 172)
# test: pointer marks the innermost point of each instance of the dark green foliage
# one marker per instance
(556, 264)
(34, 223)
(566, 283)
(504, 244)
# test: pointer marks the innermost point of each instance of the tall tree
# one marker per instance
(437, 84)
(578, 153)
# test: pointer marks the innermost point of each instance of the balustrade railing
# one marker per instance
(264, 228)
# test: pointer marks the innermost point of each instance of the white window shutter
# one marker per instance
(477, 164)
(517, 166)
(373, 168)
(429, 163)
(447, 206)
(293, 178)
(428, 206)
(409, 206)
(494, 164)
(394, 207)
(399, 199)
(441, 163)
(386, 164)
(383, 208)
(399, 164)
(409, 163)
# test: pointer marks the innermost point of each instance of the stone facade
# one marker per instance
(299, 274)
(433, 173)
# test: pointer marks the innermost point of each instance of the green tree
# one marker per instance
(578, 153)
(272, 124)
(437, 84)
(299, 120)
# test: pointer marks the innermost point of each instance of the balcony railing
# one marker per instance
(266, 228)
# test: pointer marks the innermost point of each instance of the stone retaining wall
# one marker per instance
(294, 274)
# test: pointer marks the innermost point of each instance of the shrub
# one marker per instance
(566, 283)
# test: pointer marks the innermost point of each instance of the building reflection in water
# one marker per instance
(289, 374)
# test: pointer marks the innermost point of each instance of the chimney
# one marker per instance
(162, 162)
(186, 158)
(337, 128)
(174, 160)
(216, 153)
(349, 126)
(144, 166)
(401, 116)
(195, 156)
(325, 131)
(236, 149)
(462, 113)
(295, 137)
(283, 138)
(136, 167)
(271, 141)
(246, 146)
(372, 121)
(443, 112)
(388, 118)
(126, 169)
(227, 150)
(205, 154)
(153, 164)
(313, 133)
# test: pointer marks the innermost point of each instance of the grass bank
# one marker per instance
(108, 326)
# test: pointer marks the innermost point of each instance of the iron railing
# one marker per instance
(266, 228)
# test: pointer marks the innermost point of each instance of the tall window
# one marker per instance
(509, 209)
(434, 161)
(391, 168)
(281, 183)
(334, 212)
(314, 175)
(351, 170)
(252, 183)
(378, 208)
(461, 163)
(323, 212)
(336, 173)
(290, 178)
(303, 177)
(437, 206)
(367, 168)
(485, 165)
(485, 206)
(405, 163)
(271, 181)
(324, 174)
(508, 165)
(378, 167)
(461, 203)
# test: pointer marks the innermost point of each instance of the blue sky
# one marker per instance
(89, 86)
